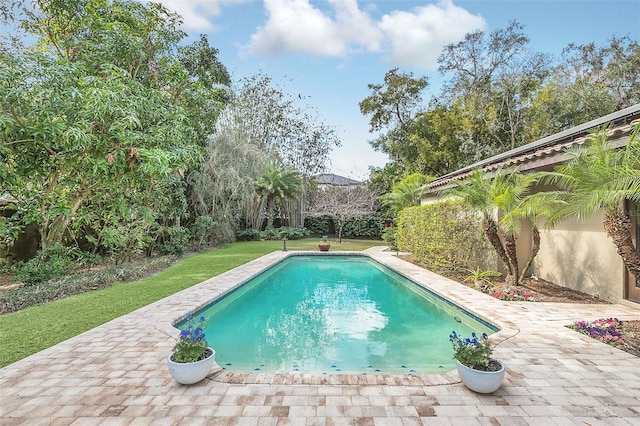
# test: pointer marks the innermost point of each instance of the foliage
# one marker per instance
(408, 192)
(192, 344)
(202, 232)
(174, 241)
(99, 113)
(293, 232)
(369, 226)
(249, 234)
(389, 235)
(443, 236)
(513, 295)
(597, 178)
(318, 224)
(606, 330)
(480, 276)
(53, 262)
(393, 105)
(494, 79)
(342, 204)
(472, 352)
(80, 281)
(276, 185)
(500, 192)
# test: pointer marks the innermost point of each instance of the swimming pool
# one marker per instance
(334, 315)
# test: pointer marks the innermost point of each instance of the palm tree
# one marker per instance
(534, 208)
(277, 185)
(601, 178)
(407, 193)
(501, 192)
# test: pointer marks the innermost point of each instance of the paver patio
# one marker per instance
(116, 374)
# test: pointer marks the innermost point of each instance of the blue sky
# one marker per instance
(330, 50)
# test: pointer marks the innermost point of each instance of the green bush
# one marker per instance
(54, 262)
(202, 232)
(442, 236)
(293, 233)
(248, 234)
(389, 235)
(174, 240)
(369, 226)
(320, 225)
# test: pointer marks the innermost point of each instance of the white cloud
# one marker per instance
(198, 14)
(299, 27)
(410, 38)
(416, 38)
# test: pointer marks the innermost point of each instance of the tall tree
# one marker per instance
(393, 106)
(277, 185)
(494, 78)
(88, 117)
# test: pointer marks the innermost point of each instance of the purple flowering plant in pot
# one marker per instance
(476, 366)
(192, 358)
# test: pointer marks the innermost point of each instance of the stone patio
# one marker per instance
(116, 374)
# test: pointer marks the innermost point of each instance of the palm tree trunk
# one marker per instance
(618, 227)
(490, 230)
(510, 249)
(535, 233)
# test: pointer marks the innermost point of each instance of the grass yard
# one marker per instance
(36, 328)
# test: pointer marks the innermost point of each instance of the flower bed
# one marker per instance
(513, 295)
(606, 330)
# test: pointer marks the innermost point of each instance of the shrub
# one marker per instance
(54, 262)
(293, 233)
(320, 225)
(442, 236)
(174, 241)
(202, 232)
(248, 234)
(389, 235)
(369, 226)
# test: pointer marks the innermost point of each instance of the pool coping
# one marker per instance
(227, 282)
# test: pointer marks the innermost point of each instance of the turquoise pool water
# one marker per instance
(334, 315)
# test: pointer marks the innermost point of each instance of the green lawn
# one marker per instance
(39, 327)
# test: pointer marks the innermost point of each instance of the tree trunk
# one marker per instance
(618, 227)
(535, 233)
(491, 232)
(512, 255)
(52, 233)
(270, 208)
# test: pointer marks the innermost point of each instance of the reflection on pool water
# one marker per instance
(334, 314)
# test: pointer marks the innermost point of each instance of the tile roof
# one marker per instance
(335, 180)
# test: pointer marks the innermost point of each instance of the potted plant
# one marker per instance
(192, 358)
(478, 370)
(324, 244)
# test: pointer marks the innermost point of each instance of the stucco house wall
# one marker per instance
(579, 255)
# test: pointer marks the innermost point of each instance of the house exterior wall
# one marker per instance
(580, 256)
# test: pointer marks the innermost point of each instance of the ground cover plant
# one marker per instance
(38, 327)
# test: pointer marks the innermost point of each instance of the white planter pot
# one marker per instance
(481, 381)
(189, 373)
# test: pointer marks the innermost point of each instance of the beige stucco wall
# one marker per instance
(579, 255)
